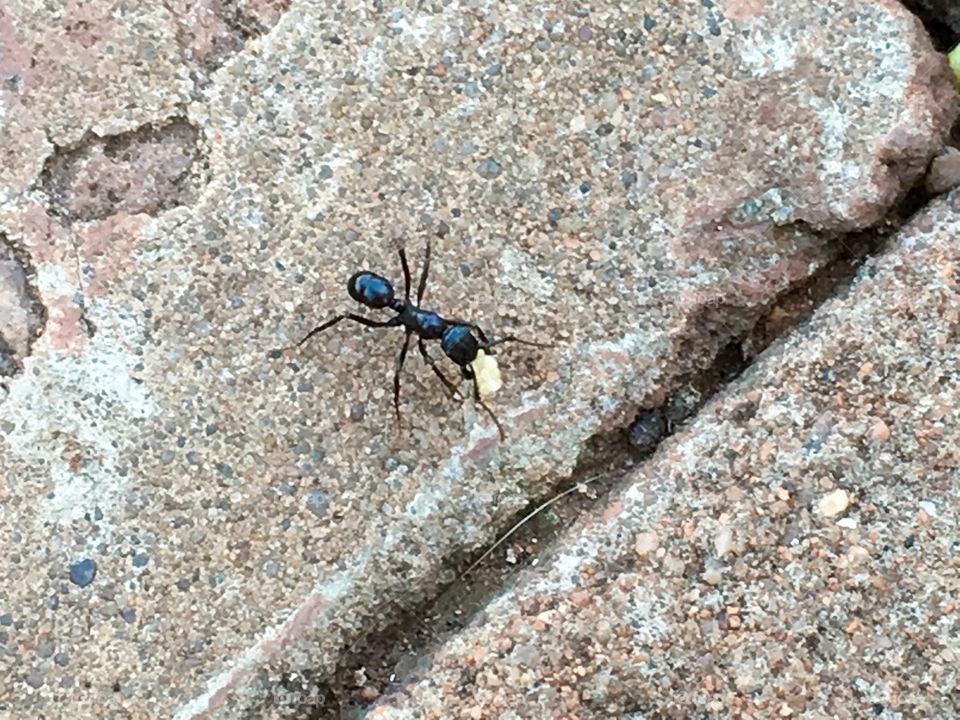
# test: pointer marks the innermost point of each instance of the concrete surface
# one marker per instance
(794, 552)
(185, 187)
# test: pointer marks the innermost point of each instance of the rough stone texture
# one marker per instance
(634, 187)
(795, 552)
(142, 172)
(106, 67)
(76, 67)
(944, 172)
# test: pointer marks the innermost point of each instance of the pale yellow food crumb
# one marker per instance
(488, 374)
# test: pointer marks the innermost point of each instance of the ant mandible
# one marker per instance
(457, 339)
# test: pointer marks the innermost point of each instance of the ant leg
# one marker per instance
(392, 322)
(468, 373)
(514, 338)
(396, 374)
(451, 388)
(406, 272)
(423, 275)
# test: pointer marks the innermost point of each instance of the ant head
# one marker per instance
(459, 344)
(370, 289)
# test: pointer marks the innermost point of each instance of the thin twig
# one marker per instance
(526, 518)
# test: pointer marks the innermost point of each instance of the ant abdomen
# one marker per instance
(459, 344)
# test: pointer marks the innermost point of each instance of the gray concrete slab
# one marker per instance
(794, 552)
(184, 520)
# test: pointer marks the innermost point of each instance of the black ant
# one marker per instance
(457, 339)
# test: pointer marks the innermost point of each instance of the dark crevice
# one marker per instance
(941, 18)
(26, 312)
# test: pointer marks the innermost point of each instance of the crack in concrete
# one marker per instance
(145, 170)
(218, 31)
(149, 169)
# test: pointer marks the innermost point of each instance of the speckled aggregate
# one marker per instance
(744, 572)
(633, 184)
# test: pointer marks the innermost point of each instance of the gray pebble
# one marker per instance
(82, 573)
(489, 169)
(318, 503)
(35, 679)
(647, 430)
(45, 650)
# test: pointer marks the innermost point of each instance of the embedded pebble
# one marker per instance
(45, 650)
(489, 169)
(318, 503)
(944, 173)
(712, 576)
(82, 573)
(35, 678)
(646, 543)
(369, 693)
(357, 411)
(647, 430)
(723, 541)
(880, 431)
(834, 503)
